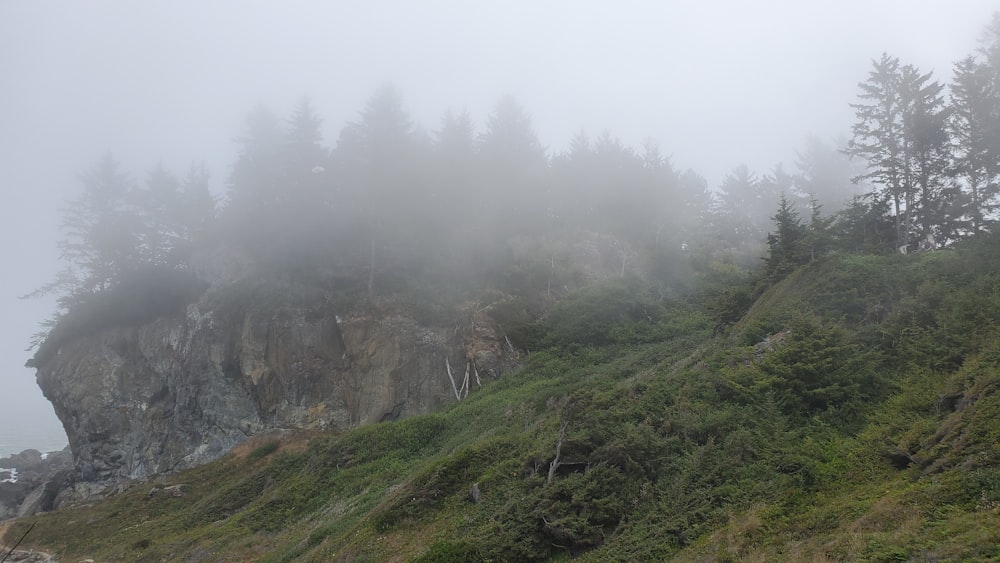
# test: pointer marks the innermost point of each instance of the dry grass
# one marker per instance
(290, 441)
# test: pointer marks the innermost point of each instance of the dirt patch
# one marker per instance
(291, 441)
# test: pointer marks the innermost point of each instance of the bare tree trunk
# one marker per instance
(555, 461)
(465, 383)
(454, 387)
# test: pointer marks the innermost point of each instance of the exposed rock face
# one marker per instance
(180, 391)
(29, 481)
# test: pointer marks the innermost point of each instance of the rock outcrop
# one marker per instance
(258, 352)
(30, 481)
(179, 391)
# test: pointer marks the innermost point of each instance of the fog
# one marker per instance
(716, 84)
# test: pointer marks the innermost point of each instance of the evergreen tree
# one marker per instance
(376, 166)
(900, 132)
(172, 214)
(825, 173)
(510, 140)
(304, 157)
(103, 232)
(280, 198)
(990, 51)
(787, 243)
(819, 237)
(738, 208)
(659, 196)
(456, 138)
(580, 147)
(625, 205)
(934, 208)
(878, 138)
(159, 205)
(776, 185)
(574, 183)
(197, 209)
(864, 225)
(514, 165)
(256, 180)
(453, 190)
(375, 155)
(974, 107)
(692, 204)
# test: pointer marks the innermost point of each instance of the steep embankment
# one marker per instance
(169, 368)
(249, 357)
(850, 415)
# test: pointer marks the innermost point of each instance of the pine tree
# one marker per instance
(510, 140)
(256, 179)
(514, 165)
(819, 238)
(376, 166)
(825, 173)
(624, 204)
(864, 225)
(172, 213)
(738, 208)
(879, 139)
(103, 232)
(901, 135)
(453, 190)
(197, 209)
(787, 244)
(692, 204)
(973, 109)
(924, 118)
(159, 205)
(304, 157)
(456, 139)
(574, 185)
(990, 51)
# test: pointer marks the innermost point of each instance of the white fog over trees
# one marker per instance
(466, 145)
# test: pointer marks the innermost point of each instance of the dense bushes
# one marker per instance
(871, 416)
(616, 312)
(140, 296)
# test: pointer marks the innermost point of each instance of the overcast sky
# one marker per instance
(717, 84)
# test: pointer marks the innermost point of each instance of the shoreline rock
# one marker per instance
(34, 481)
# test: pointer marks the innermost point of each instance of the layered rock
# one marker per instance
(179, 391)
(30, 481)
(259, 352)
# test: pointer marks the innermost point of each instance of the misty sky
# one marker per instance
(715, 83)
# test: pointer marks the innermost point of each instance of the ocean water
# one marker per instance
(20, 431)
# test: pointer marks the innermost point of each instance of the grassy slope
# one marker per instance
(869, 432)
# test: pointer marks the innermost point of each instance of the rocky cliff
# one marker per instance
(178, 367)
(183, 389)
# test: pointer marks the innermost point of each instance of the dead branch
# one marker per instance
(555, 461)
(447, 365)
(465, 382)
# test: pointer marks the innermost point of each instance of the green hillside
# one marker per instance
(851, 413)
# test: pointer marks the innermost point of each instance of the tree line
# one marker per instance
(931, 155)
(920, 170)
